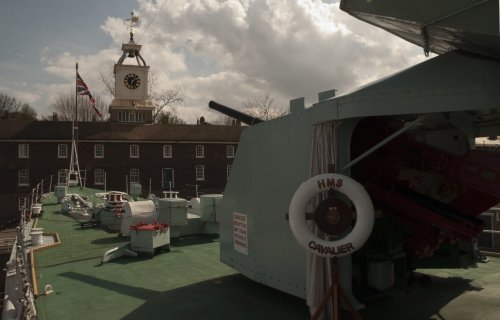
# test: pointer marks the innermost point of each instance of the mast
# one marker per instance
(74, 166)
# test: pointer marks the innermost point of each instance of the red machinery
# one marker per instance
(436, 195)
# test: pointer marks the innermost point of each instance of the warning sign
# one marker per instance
(240, 232)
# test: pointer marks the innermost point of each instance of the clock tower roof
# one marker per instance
(132, 49)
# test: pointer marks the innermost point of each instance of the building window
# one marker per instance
(200, 172)
(228, 171)
(62, 150)
(230, 151)
(61, 177)
(99, 176)
(141, 117)
(134, 175)
(167, 151)
(24, 150)
(134, 151)
(22, 203)
(200, 151)
(167, 180)
(99, 151)
(122, 116)
(131, 117)
(24, 177)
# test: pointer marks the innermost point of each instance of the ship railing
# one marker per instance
(23, 270)
(39, 192)
(19, 287)
(42, 189)
(24, 299)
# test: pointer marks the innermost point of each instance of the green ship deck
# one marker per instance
(191, 283)
(186, 283)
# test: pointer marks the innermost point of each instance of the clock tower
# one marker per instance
(131, 103)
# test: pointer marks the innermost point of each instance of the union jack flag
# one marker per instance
(83, 90)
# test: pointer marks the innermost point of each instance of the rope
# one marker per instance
(151, 22)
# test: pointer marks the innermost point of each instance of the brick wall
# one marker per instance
(117, 164)
(43, 161)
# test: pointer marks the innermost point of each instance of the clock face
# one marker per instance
(132, 81)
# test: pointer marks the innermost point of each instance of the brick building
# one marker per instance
(116, 154)
(112, 155)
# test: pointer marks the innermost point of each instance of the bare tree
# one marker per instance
(51, 117)
(7, 104)
(263, 107)
(64, 108)
(108, 81)
(166, 98)
(223, 121)
(13, 109)
(26, 112)
(169, 117)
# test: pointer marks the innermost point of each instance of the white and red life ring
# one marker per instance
(355, 192)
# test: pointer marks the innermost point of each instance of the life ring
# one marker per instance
(355, 192)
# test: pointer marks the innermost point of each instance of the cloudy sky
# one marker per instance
(228, 51)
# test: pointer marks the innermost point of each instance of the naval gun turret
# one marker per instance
(408, 139)
(233, 113)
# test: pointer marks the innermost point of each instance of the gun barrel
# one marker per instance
(238, 115)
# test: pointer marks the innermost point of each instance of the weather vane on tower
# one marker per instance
(133, 21)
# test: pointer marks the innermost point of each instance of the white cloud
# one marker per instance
(26, 96)
(90, 68)
(232, 50)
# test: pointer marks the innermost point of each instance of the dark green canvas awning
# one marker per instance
(436, 26)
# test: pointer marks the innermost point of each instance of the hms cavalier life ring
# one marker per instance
(355, 192)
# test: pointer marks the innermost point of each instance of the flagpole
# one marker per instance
(76, 96)
(71, 159)
(74, 148)
(80, 89)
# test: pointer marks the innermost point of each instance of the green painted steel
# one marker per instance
(273, 158)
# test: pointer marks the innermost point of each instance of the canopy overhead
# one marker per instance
(436, 26)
